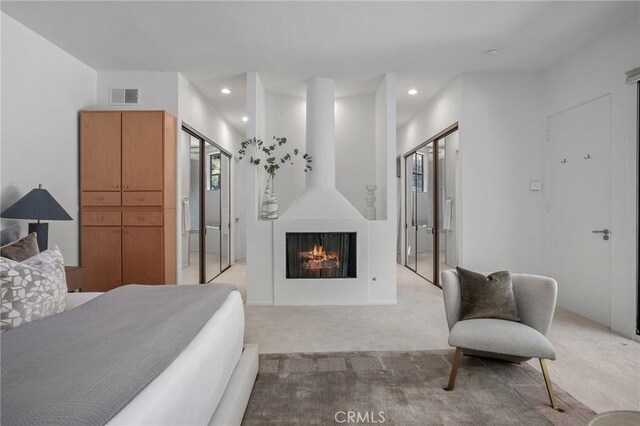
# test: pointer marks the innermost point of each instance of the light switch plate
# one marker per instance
(535, 185)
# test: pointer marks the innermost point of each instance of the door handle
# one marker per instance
(605, 233)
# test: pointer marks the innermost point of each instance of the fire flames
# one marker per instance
(318, 258)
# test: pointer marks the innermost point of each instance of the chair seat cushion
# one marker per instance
(502, 337)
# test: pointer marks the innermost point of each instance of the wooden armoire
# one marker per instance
(128, 198)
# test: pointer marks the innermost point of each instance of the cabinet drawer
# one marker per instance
(100, 199)
(101, 218)
(142, 198)
(142, 218)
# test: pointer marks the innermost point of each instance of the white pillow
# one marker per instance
(33, 289)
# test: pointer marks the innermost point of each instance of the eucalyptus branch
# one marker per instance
(267, 156)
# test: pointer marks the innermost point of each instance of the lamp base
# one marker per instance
(42, 230)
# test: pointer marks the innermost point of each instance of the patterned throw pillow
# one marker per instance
(33, 289)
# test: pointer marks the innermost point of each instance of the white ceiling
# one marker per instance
(426, 43)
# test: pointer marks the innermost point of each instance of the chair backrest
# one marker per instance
(535, 298)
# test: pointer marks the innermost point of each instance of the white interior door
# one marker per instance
(579, 204)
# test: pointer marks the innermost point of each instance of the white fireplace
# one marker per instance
(329, 275)
(320, 209)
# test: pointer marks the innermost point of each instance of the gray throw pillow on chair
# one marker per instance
(487, 297)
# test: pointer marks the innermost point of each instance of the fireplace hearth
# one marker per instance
(321, 255)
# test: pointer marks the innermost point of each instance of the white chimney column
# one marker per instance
(321, 143)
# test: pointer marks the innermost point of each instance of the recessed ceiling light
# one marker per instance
(412, 92)
(225, 91)
(491, 52)
(245, 118)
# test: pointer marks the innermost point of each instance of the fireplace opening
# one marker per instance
(321, 254)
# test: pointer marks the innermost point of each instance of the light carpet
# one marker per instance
(403, 388)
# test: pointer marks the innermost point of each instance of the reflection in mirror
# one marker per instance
(448, 150)
(432, 214)
(424, 188)
(206, 226)
(410, 211)
(191, 208)
(212, 211)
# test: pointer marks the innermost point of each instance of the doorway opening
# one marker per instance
(206, 209)
(430, 222)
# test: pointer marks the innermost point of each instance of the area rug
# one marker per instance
(403, 388)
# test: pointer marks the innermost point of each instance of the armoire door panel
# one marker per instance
(142, 151)
(142, 255)
(100, 151)
(101, 257)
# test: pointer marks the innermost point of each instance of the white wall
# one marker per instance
(453, 191)
(502, 150)
(382, 256)
(199, 113)
(286, 117)
(500, 143)
(259, 233)
(43, 88)
(381, 147)
(596, 70)
(158, 90)
(356, 147)
(440, 112)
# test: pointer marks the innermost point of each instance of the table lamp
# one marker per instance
(38, 205)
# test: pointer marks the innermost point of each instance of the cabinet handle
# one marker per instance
(140, 198)
(100, 198)
(126, 186)
(141, 218)
(116, 186)
(116, 231)
(100, 218)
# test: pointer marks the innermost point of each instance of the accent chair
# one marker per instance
(500, 339)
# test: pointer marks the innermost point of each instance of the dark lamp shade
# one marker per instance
(36, 205)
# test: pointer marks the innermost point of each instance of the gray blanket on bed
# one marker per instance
(83, 366)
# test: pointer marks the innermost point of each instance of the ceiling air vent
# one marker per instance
(119, 96)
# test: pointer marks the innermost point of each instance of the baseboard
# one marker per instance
(233, 404)
(382, 302)
(256, 303)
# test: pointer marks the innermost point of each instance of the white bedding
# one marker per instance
(191, 387)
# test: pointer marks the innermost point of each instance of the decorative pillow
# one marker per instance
(33, 289)
(22, 249)
(487, 297)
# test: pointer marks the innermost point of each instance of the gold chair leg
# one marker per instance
(547, 381)
(454, 369)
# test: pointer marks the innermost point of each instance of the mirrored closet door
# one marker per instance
(206, 236)
(430, 213)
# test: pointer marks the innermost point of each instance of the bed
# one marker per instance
(208, 382)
